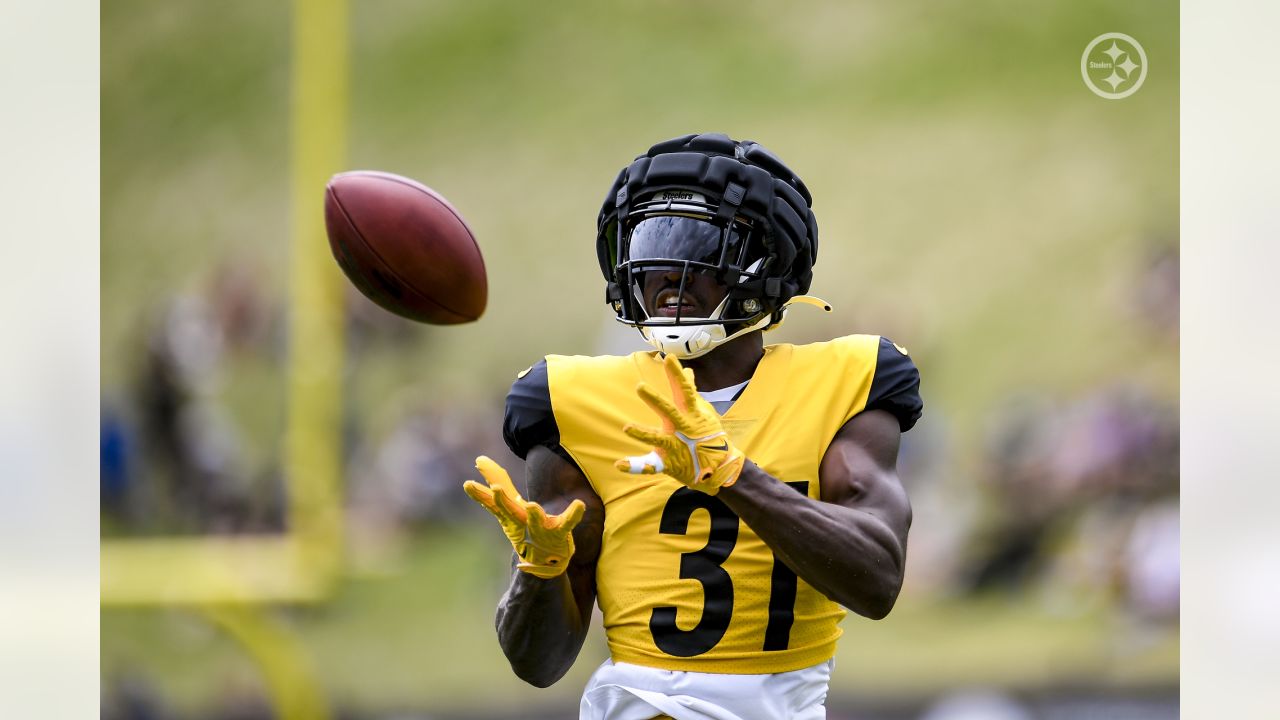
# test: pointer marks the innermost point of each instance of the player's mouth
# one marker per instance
(670, 302)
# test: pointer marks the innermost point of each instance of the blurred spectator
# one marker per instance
(1157, 289)
(116, 449)
(192, 447)
(131, 697)
(1152, 571)
(411, 473)
(1068, 483)
(240, 312)
(1009, 541)
(185, 467)
(242, 698)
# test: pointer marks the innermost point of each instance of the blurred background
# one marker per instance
(976, 203)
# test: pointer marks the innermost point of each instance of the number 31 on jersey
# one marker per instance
(707, 567)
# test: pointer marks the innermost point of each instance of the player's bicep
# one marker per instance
(859, 470)
(554, 483)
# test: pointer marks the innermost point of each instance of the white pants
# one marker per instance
(622, 691)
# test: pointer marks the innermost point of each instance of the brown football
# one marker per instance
(405, 247)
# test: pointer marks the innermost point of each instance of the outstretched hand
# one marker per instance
(691, 446)
(543, 542)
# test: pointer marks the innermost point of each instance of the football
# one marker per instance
(405, 247)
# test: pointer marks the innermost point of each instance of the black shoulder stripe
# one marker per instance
(896, 385)
(529, 419)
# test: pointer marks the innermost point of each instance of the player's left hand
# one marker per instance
(692, 446)
(543, 542)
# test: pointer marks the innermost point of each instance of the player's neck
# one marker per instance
(730, 364)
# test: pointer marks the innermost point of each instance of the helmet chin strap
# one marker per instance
(803, 300)
(690, 341)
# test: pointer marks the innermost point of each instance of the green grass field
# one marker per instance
(976, 203)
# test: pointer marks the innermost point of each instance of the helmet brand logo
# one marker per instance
(685, 195)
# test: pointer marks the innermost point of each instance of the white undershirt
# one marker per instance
(723, 398)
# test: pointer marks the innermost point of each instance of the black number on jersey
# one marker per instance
(782, 596)
(706, 566)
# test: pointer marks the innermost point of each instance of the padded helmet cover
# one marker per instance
(742, 178)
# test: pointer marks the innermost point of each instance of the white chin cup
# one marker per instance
(684, 341)
(691, 341)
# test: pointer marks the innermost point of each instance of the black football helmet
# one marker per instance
(711, 204)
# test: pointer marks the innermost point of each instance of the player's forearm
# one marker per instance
(850, 555)
(540, 628)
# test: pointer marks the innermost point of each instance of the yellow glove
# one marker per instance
(544, 543)
(692, 446)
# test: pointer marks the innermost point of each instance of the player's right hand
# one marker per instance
(543, 542)
(692, 446)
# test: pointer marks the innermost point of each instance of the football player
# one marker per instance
(722, 500)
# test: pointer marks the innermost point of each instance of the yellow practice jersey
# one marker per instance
(683, 584)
